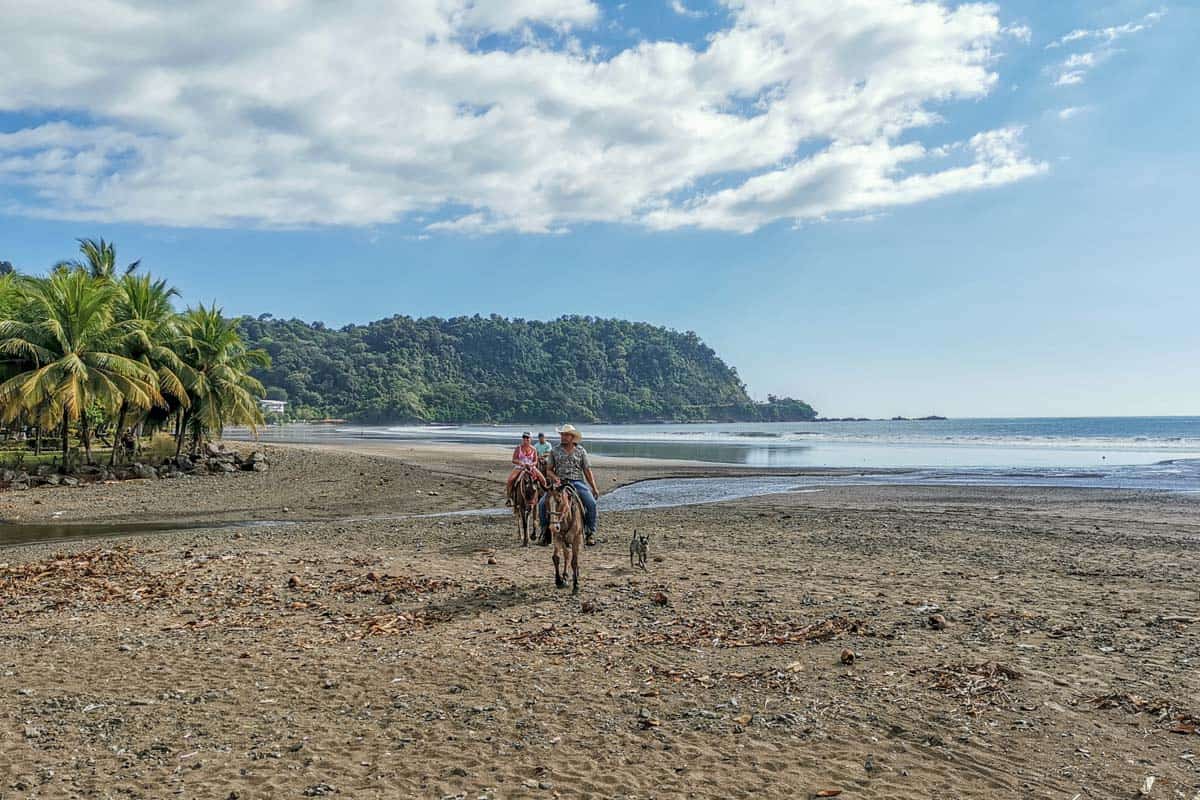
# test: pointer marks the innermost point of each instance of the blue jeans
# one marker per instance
(589, 507)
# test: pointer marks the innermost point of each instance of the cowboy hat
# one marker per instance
(569, 429)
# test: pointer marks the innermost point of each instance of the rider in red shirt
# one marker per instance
(525, 457)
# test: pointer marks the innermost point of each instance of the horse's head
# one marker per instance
(528, 485)
(558, 504)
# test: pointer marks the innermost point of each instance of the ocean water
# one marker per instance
(1117, 452)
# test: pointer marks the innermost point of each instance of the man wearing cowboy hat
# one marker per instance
(568, 462)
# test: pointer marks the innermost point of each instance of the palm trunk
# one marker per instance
(37, 440)
(180, 430)
(66, 441)
(85, 437)
(112, 461)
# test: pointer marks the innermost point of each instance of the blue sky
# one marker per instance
(883, 208)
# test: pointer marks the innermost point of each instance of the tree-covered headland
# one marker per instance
(493, 369)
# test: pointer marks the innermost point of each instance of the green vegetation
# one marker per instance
(96, 353)
(93, 352)
(492, 369)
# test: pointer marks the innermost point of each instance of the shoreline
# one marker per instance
(468, 477)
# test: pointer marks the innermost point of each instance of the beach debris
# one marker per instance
(847, 656)
(319, 790)
(588, 606)
(828, 793)
(1147, 786)
(1184, 721)
(396, 585)
(87, 575)
(294, 582)
(978, 686)
(937, 622)
(647, 721)
(660, 598)
(750, 633)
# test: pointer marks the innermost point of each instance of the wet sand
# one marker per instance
(434, 658)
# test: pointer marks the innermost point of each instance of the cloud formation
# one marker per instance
(1073, 70)
(485, 117)
(1072, 111)
(679, 8)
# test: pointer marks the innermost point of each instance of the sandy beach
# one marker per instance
(880, 642)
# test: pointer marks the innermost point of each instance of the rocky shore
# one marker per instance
(857, 642)
(214, 458)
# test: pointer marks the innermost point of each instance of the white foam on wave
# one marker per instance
(776, 439)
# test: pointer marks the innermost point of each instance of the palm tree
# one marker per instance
(99, 260)
(10, 306)
(216, 371)
(73, 354)
(145, 304)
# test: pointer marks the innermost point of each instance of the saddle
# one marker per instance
(571, 494)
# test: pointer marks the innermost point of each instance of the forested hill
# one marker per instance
(492, 369)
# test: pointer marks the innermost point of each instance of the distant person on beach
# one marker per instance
(568, 462)
(543, 449)
(525, 457)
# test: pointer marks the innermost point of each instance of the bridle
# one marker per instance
(559, 519)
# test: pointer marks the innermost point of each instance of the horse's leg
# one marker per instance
(559, 582)
(533, 518)
(575, 547)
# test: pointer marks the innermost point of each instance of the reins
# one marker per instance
(561, 518)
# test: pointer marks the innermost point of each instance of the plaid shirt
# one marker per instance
(569, 466)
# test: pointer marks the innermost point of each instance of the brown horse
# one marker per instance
(524, 497)
(566, 530)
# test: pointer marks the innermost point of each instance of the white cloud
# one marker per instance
(302, 112)
(1022, 33)
(491, 16)
(1110, 34)
(845, 179)
(1072, 111)
(1074, 69)
(679, 8)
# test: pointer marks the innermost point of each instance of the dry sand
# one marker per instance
(434, 658)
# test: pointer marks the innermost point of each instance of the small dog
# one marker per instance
(639, 548)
